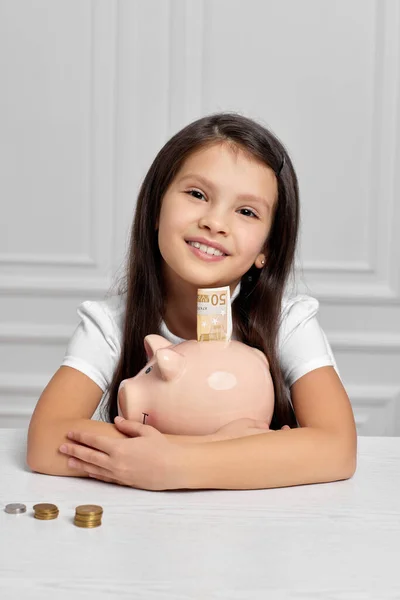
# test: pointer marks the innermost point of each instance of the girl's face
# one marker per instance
(220, 198)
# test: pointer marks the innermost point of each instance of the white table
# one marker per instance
(337, 541)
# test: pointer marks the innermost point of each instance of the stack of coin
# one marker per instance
(88, 515)
(45, 512)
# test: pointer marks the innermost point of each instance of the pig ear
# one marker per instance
(261, 355)
(153, 342)
(170, 363)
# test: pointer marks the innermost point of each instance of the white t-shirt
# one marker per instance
(95, 346)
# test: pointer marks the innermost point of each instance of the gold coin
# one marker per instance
(89, 509)
(45, 513)
(46, 517)
(45, 507)
(86, 520)
(87, 525)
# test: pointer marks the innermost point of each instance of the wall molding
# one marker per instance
(97, 286)
(377, 396)
(341, 341)
(47, 260)
(364, 293)
(325, 266)
(377, 403)
(15, 412)
(383, 242)
(364, 342)
(366, 400)
(31, 333)
(385, 148)
(23, 384)
(373, 394)
(32, 384)
(98, 134)
(186, 34)
(48, 286)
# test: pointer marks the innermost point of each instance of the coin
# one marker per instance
(45, 511)
(87, 519)
(89, 509)
(46, 516)
(87, 525)
(45, 507)
(15, 509)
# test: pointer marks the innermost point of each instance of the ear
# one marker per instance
(260, 261)
(170, 363)
(153, 342)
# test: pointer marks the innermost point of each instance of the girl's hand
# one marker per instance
(147, 461)
(242, 428)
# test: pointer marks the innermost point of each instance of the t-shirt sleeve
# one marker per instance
(94, 347)
(303, 345)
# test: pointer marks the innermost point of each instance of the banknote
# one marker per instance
(214, 314)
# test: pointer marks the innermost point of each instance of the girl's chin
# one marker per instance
(201, 282)
(197, 277)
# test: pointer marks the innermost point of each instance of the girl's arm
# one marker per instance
(323, 449)
(67, 404)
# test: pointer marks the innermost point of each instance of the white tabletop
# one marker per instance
(339, 541)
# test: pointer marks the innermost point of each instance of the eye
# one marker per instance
(250, 213)
(148, 370)
(199, 196)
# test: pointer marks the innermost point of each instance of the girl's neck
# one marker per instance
(180, 308)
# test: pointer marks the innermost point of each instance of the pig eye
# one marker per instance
(148, 370)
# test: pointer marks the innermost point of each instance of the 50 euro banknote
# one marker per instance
(214, 314)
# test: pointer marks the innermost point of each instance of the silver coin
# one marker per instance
(15, 509)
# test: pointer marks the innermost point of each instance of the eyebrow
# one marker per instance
(205, 181)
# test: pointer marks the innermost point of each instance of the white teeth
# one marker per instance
(206, 249)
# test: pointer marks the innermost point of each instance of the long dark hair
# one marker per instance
(257, 308)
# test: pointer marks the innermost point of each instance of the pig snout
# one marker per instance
(132, 403)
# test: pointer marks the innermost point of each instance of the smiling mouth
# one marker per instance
(209, 250)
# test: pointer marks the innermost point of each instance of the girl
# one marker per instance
(228, 183)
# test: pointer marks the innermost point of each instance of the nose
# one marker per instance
(215, 221)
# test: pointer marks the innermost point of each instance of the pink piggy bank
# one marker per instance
(194, 388)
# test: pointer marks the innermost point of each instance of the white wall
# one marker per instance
(91, 89)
